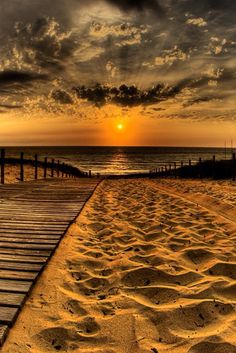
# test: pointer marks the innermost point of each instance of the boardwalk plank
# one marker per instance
(3, 333)
(27, 246)
(8, 315)
(40, 237)
(30, 231)
(19, 266)
(11, 299)
(26, 252)
(15, 286)
(33, 226)
(25, 259)
(36, 223)
(20, 275)
(25, 240)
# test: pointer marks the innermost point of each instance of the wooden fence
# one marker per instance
(51, 167)
(208, 168)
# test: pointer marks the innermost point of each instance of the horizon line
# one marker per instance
(115, 146)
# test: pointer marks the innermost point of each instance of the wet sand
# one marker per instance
(142, 270)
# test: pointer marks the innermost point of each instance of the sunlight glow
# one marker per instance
(120, 126)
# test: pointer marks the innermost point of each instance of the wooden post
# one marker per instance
(36, 167)
(233, 166)
(52, 168)
(2, 166)
(45, 167)
(22, 166)
(181, 164)
(63, 164)
(175, 169)
(90, 174)
(213, 166)
(190, 162)
(58, 169)
(200, 168)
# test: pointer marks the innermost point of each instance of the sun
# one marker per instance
(120, 126)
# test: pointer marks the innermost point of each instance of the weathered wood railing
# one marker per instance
(209, 168)
(51, 168)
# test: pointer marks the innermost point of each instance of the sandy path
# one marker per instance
(223, 190)
(142, 271)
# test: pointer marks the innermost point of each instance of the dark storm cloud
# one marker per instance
(131, 96)
(43, 44)
(9, 77)
(127, 96)
(27, 11)
(138, 5)
(12, 83)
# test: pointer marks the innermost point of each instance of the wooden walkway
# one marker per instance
(34, 216)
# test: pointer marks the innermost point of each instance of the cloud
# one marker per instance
(61, 96)
(187, 46)
(212, 83)
(170, 56)
(213, 72)
(138, 6)
(112, 69)
(14, 85)
(10, 76)
(198, 100)
(126, 32)
(43, 42)
(197, 22)
(124, 95)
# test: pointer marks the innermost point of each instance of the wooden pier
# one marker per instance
(34, 216)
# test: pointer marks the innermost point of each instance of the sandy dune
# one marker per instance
(141, 271)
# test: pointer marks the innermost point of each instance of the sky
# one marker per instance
(73, 71)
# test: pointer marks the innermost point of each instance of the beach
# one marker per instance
(149, 266)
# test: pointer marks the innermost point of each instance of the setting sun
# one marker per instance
(120, 126)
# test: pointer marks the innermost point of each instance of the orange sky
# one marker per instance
(136, 131)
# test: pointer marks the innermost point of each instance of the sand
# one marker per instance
(142, 270)
(221, 190)
(12, 173)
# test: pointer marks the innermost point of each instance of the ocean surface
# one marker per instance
(120, 160)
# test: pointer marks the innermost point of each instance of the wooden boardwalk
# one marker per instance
(34, 216)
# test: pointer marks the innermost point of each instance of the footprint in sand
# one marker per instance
(56, 339)
(210, 347)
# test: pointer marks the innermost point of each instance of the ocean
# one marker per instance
(120, 160)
